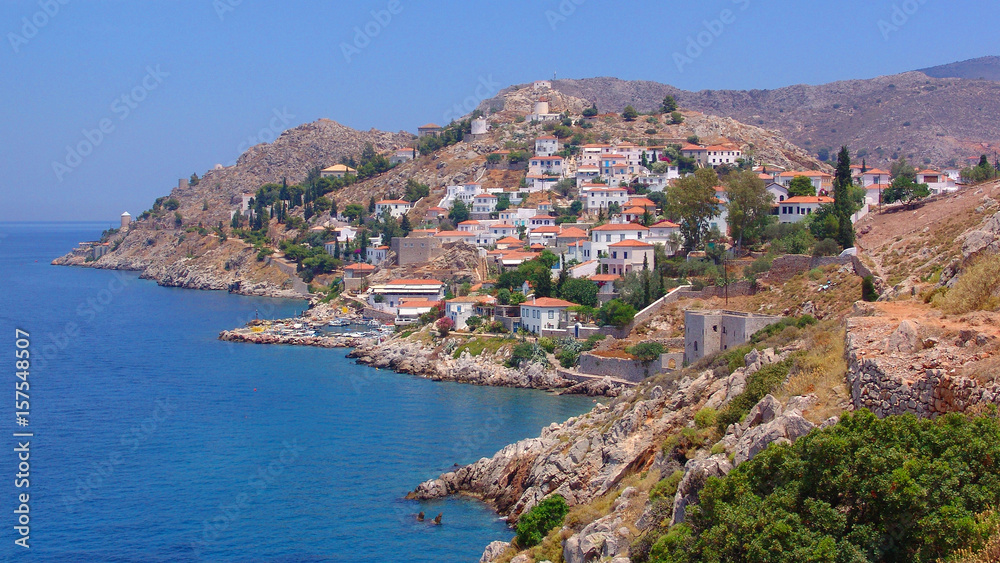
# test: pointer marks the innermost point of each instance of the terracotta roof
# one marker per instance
(469, 222)
(419, 303)
(626, 227)
(878, 172)
(510, 240)
(436, 208)
(641, 201)
(486, 195)
(635, 210)
(934, 172)
(455, 234)
(430, 126)
(570, 232)
(546, 229)
(392, 201)
(630, 244)
(537, 246)
(546, 158)
(666, 225)
(604, 277)
(548, 302)
(547, 137)
(359, 267)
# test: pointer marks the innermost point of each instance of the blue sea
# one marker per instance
(154, 441)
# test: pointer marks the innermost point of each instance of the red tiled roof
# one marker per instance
(548, 302)
(809, 199)
(625, 227)
(631, 244)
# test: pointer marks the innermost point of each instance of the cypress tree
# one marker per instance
(841, 196)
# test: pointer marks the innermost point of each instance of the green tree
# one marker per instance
(581, 291)
(669, 105)
(801, 186)
(459, 212)
(903, 169)
(415, 190)
(691, 201)
(371, 204)
(676, 118)
(749, 206)
(353, 211)
(616, 313)
(903, 189)
(591, 111)
(629, 113)
(646, 351)
(843, 206)
(503, 202)
(404, 225)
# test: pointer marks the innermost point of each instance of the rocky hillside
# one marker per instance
(936, 115)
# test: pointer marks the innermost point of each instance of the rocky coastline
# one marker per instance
(246, 336)
(591, 455)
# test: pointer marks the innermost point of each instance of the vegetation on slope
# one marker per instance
(896, 489)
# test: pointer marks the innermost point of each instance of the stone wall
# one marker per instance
(620, 368)
(934, 393)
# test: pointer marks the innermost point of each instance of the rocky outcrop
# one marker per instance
(696, 473)
(405, 356)
(241, 335)
(607, 537)
(587, 455)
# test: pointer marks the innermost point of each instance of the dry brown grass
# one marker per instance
(822, 370)
(978, 288)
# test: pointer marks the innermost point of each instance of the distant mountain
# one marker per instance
(983, 68)
(927, 119)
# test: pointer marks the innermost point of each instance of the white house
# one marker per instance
(541, 221)
(378, 254)
(544, 313)
(604, 236)
(602, 197)
(876, 176)
(546, 165)
(666, 233)
(503, 230)
(484, 203)
(779, 191)
(820, 180)
(395, 207)
(795, 209)
(409, 310)
(518, 217)
(465, 192)
(586, 174)
(938, 182)
(471, 226)
(717, 155)
(460, 309)
(547, 145)
(659, 182)
(627, 256)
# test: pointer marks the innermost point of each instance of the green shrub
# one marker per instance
(868, 292)
(895, 489)
(667, 487)
(536, 524)
(706, 417)
(646, 351)
(547, 344)
(760, 383)
(826, 247)
(778, 327)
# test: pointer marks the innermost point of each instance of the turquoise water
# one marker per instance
(154, 441)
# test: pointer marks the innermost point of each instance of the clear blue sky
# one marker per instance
(227, 69)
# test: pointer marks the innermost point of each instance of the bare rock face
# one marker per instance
(905, 339)
(696, 473)
(605, 537)
(766, 423)
(494, 551)
(986, 239)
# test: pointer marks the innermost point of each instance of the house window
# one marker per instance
(715, 328)
(552, 315)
